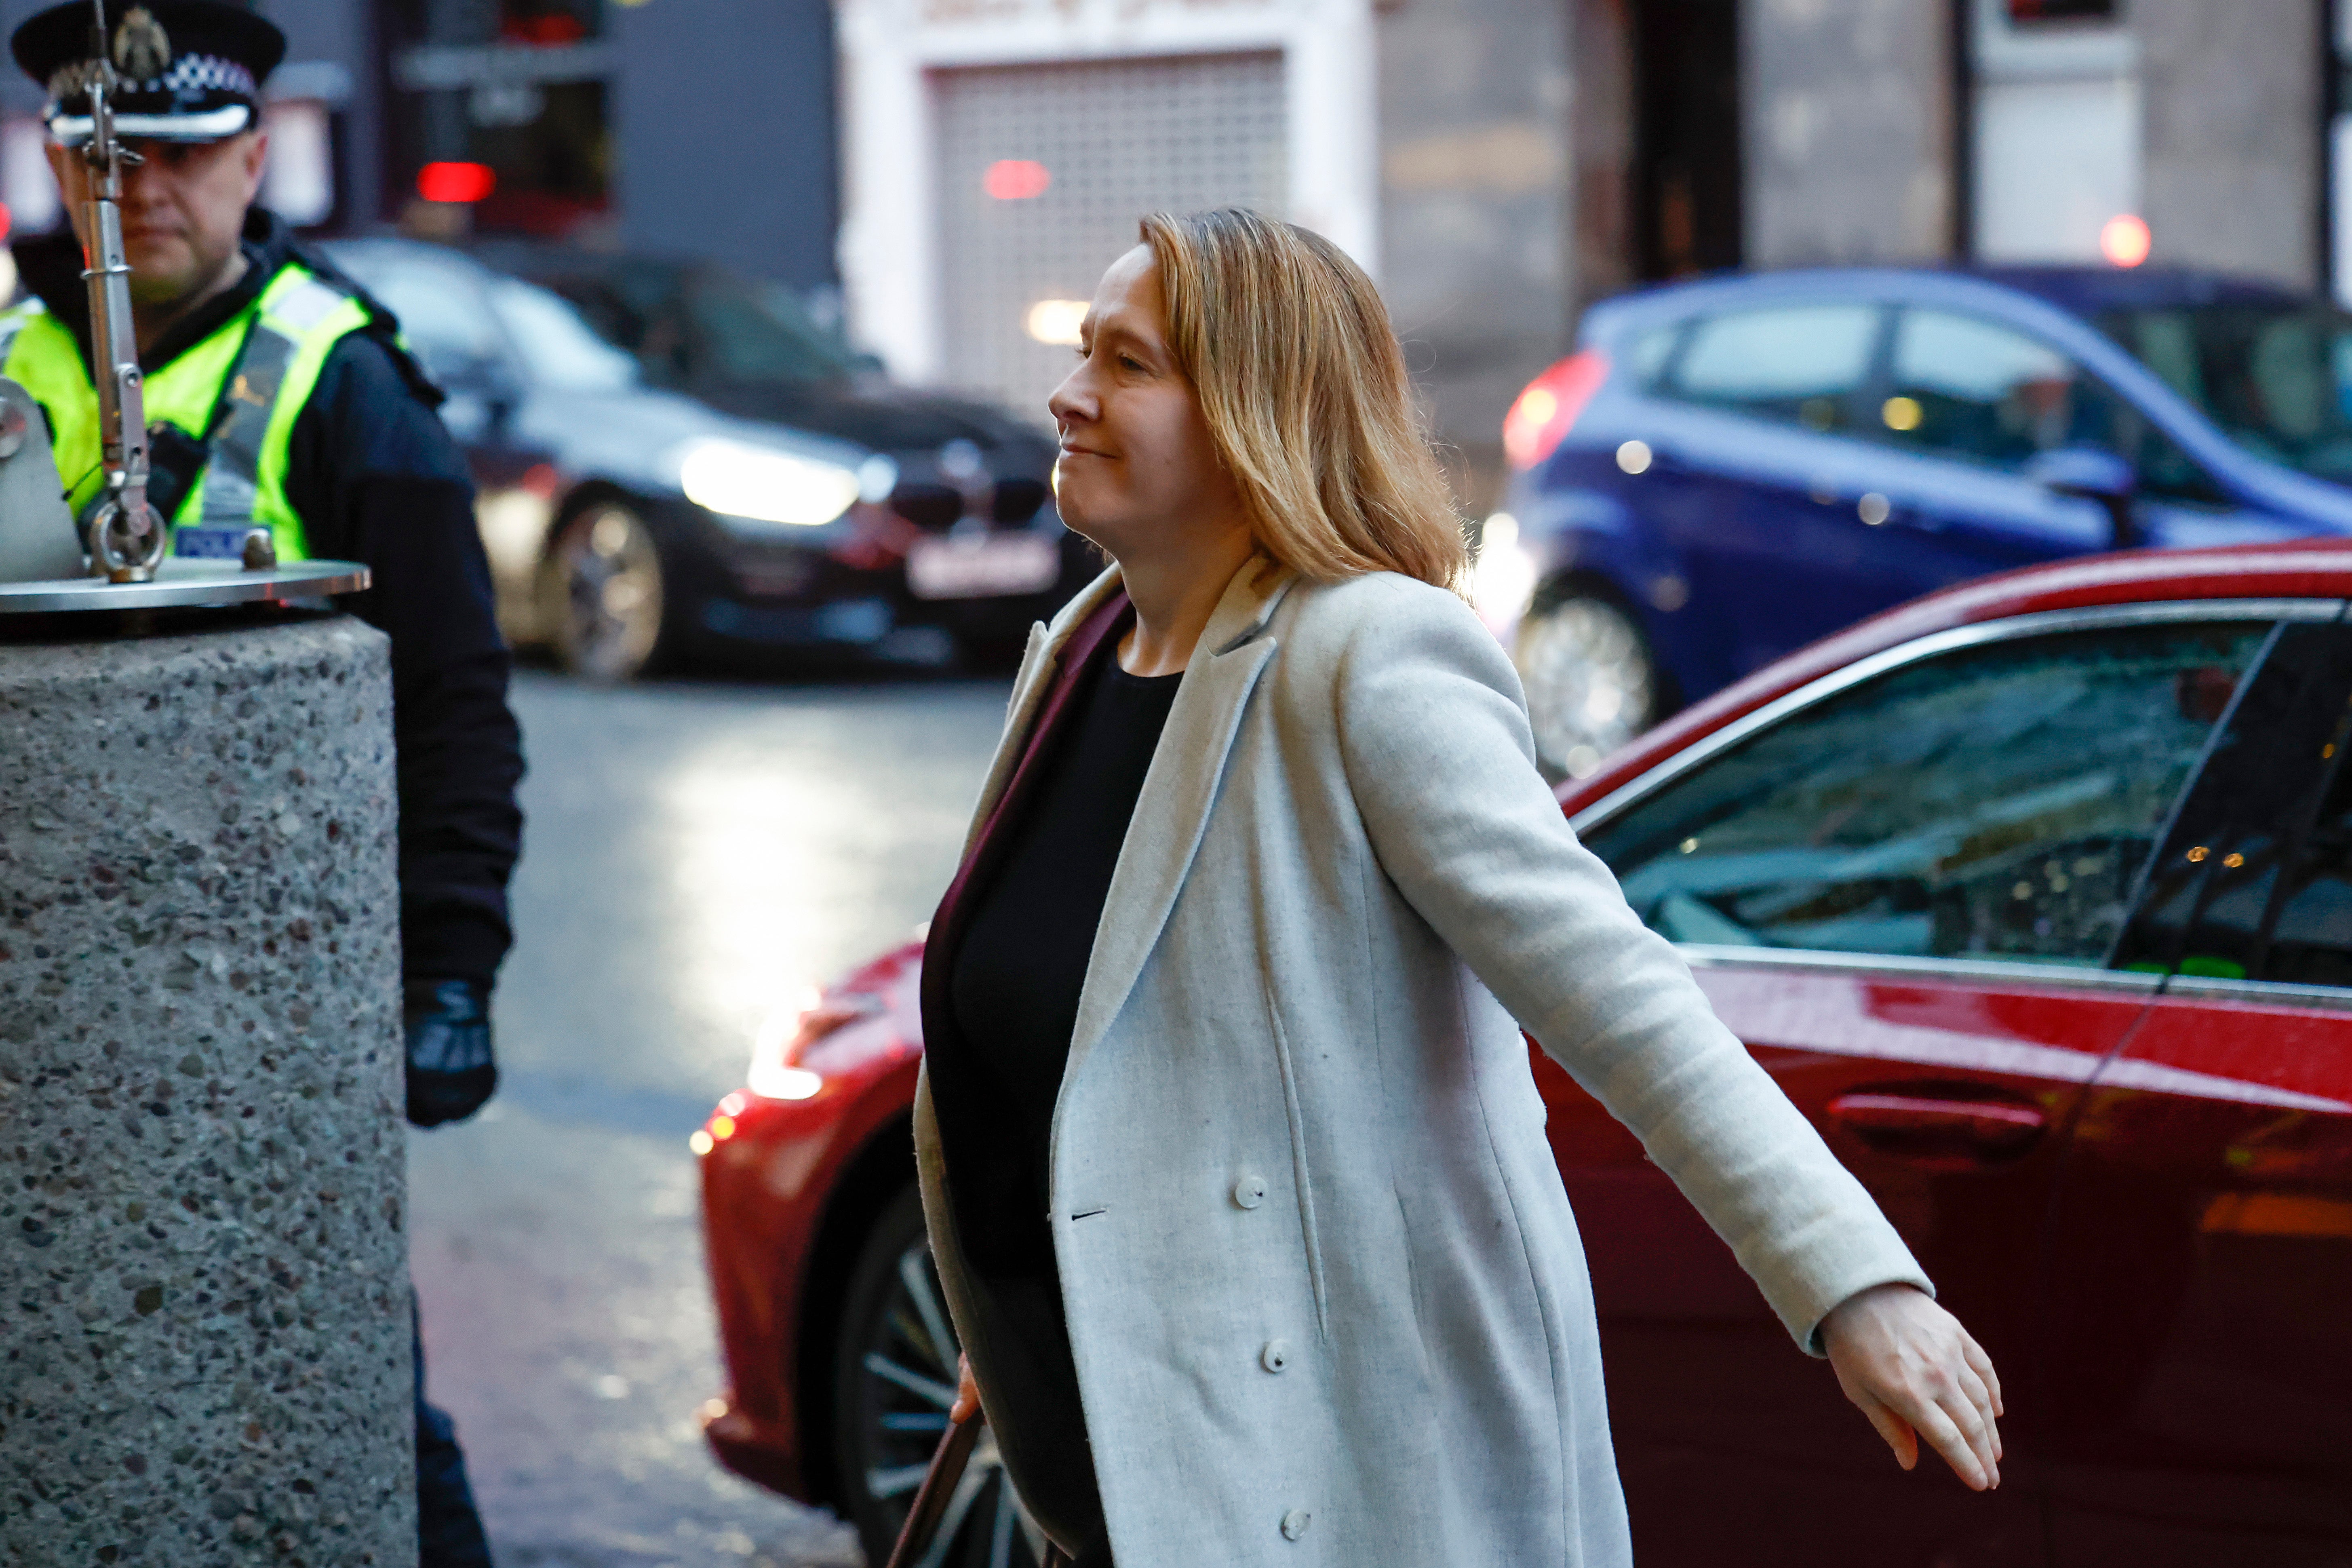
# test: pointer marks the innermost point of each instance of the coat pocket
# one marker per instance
(1302, 1179)
(1414, 1289)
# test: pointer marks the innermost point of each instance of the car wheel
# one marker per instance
(604, 594)
(895, 1378)
(1591, 680)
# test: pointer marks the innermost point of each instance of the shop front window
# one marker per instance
(545, 22)
(501, 121)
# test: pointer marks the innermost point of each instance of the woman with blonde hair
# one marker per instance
(1234, 1169)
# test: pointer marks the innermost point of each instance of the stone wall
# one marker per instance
(1474, 222)
(1847, 107)
(2232, 135)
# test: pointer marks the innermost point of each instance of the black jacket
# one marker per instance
(376, 478)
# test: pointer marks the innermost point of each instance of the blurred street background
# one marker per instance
(748, 311)
(698, 852)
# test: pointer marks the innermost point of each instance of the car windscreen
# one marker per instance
(757, 333)
(560, 347)
(2276, 378)
(438, 300)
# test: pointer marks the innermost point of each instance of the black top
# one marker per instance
(1018, 972)
(376, 478)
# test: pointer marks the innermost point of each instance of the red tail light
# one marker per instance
(456, 181)
(1551, 404)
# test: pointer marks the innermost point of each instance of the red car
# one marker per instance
(2036, 896)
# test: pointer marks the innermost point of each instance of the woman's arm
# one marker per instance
(1441, 765)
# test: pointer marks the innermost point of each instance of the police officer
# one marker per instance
(278, 397)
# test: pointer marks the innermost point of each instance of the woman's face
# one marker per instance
(1137, 471)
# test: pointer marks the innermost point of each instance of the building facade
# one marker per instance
(1498, 163)
(959, 171)
(998, 153)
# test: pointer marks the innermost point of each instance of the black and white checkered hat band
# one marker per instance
(188, 77)
(208, 73)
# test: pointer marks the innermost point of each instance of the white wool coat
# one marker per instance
(1326, 1299)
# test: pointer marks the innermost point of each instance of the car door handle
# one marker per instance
(1939, 1130)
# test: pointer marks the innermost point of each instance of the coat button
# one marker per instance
(1275, 1356)
(1294, 1524)
(1250, 1192)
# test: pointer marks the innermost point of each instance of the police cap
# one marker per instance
(187, 70)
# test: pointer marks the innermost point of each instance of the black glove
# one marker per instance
(451, 1070)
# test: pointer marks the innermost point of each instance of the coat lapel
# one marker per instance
(1177, 792)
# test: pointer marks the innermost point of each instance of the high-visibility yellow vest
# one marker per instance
(239, 390)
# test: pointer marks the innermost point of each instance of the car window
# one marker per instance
(1961, 387)
(2276, 376)
(2165, 471)
(1647, 357)
(637, 308)
(560, 347)
(1973, 388)
(1993, 802)
(443, 316)
(2275, 793)
(762, 335)
(1803, 364)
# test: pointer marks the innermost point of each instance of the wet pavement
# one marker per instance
(695, 854)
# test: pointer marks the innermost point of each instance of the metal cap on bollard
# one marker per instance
(186, 584)
(47, 567)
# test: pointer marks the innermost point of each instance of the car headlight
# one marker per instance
(776, 1071)
(735, 479)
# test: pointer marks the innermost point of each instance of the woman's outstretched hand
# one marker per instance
(968, 1392)
(1909, 1366)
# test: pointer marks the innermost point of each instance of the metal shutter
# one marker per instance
(1119, 138)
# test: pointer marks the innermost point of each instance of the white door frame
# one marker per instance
(2080, 79)
(890, 230)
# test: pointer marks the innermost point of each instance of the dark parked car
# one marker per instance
(1727, 470)
(804, 502)
(2035, 897)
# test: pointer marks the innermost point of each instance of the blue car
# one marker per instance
(1729, 469)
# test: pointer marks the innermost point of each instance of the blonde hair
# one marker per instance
(1304, 387)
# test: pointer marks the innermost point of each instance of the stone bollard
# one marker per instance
(204, 1332)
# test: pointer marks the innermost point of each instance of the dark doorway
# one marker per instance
(1685, 136)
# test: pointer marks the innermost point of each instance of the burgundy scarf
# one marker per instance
(954, 914)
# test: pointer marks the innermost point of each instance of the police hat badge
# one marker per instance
(142, 50)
